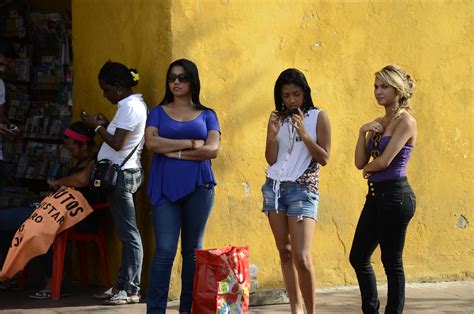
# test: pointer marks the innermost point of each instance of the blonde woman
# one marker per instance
(382, 153)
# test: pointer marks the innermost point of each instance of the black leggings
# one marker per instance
(388, 209)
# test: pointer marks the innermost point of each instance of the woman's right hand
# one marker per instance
(102, 120)
(374, 126)
(274, 124)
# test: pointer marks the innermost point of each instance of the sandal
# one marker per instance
(41, 294)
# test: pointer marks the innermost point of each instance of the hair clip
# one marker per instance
(135, 76)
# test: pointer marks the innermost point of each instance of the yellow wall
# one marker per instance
(241, 47)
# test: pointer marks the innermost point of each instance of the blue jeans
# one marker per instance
(122, 207)
(188, 215)
(389, 207)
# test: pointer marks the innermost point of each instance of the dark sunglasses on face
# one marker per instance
(375, 149)
(182, 78)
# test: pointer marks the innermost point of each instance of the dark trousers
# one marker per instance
(388, 209)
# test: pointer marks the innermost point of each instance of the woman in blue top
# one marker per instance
(184, 136)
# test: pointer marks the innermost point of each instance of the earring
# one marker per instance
(119, 92)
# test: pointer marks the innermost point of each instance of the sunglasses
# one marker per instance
(375, 149)
(182, 78)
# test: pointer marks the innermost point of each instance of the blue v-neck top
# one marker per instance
(169, 178)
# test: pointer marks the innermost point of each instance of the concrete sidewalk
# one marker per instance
(446, 297)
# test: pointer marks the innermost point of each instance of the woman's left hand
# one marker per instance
(366, 174)
(297, 120)
(89, 120)
(52, 184)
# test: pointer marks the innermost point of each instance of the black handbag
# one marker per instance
(104, 174)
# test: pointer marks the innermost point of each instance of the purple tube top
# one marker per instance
(397, 168)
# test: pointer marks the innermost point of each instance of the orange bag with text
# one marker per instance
(56, 213)
(222, 281)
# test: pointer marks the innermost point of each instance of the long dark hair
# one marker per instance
(292, 76)
(115, 73)
(191, 69)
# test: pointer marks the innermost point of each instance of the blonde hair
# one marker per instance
(396, 77)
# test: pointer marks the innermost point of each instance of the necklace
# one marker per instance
(291, 135)
(388, 121)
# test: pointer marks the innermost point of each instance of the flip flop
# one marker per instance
(42, 294)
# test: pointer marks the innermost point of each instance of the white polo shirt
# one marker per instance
(131, 115)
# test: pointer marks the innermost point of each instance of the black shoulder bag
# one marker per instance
(104, 173)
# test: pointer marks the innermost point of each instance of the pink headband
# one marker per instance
(72, 134)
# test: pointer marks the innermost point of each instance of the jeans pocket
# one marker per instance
(268, 196)
(133, 179)
(412, 202)
(312, 196)
(407, 210)
(392, 206)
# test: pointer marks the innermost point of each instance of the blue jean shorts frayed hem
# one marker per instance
(295, 200)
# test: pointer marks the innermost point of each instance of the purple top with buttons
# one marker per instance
(171, 179)
(397, 168)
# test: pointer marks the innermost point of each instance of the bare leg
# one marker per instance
(279, 225)
(301, 235)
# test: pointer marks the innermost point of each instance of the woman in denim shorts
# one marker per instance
(298, 142)
(382, 153)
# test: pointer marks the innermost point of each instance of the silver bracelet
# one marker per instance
(97, 128)
(179, 154)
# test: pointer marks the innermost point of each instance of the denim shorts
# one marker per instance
(295, 199)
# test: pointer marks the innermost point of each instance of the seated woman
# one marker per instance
(79, 141)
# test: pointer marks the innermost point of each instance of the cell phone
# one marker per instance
(292, 111)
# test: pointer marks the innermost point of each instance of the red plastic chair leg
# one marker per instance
(58, 264)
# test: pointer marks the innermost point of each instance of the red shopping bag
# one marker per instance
(222, 281)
